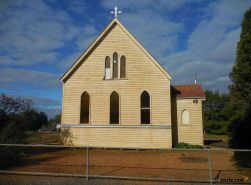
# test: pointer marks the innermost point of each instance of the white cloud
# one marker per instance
(82, 41)
(32, 31)
(168, 5)
(17, 79)
(42, 102)
(157, 33)
(211, 47)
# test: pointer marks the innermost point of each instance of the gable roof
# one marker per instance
(89, 50)
(187, 91)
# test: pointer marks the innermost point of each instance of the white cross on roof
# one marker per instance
(116, 12)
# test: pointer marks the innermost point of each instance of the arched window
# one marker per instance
(115, 65)
(145, 108)
(123, 67)
(85, 106)
(185, 117)
(114, 108)
(107, 68)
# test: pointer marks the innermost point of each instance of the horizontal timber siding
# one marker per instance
(122, 137)
(192, 133)
(141, 74)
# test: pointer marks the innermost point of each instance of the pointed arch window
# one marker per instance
(85, 108)
(114, 108)
(115, 65)
(123, 67)
(145, 108)
(185, 117)
(107, 68)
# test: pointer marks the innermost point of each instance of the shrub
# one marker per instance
(189, 146)
(216, 127)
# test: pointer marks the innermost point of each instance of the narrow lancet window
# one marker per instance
(114, 108)
(145, 108)
(85, 106)
(115, 65)
(107, 68)
(123, 67)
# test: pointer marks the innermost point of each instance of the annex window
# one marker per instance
(115, 65)
(114, 108)
(185, 117)
(85, 106)
(145, 108)
(107, 68)
(123, 67)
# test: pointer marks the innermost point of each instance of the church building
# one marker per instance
(117, 95)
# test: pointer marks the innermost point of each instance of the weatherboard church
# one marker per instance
(117, 95)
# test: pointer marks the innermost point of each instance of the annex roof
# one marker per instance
(187, 91)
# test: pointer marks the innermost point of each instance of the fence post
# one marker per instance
(87, 163)
(209, 166)
(43, 139)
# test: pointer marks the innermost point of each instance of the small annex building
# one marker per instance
(117, 95)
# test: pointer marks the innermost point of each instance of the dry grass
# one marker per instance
(145, 163)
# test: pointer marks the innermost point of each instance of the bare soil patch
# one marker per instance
(191, 165)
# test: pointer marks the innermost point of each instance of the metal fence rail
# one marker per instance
(211, 166)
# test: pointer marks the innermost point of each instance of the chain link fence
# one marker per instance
(211, 166)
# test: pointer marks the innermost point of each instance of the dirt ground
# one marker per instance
(43, 180)
(192, 165)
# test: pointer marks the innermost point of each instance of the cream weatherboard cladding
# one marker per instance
(143, 73)
(188, 133)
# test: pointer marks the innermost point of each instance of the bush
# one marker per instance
(9, 156)
(33, 119)
(188, 146)
(16, 116)
(240, 130)
(216, 127)
(243, 159)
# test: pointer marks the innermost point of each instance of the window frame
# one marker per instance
(110, 75)
(189, 118)
(89, 109)
(110, 121)
(122, 57)
(145, 108)
(115, 70)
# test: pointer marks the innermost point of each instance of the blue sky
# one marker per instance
(40, 39)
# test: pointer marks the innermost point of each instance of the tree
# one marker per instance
(11, 125)
(17, 116)
(217, 111)
(10, 105)
(240, 90)
(216, 106)
(56, 119)
(33, 119)
(54, 122)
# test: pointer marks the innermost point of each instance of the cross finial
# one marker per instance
(116, 12)
(195, 78)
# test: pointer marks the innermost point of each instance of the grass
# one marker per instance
(189, 146)
(42, 138)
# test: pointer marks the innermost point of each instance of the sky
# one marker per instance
(40, 39)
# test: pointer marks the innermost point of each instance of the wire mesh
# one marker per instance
(149, 163)
(43, 159)
(172, 165)
(231, 166)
